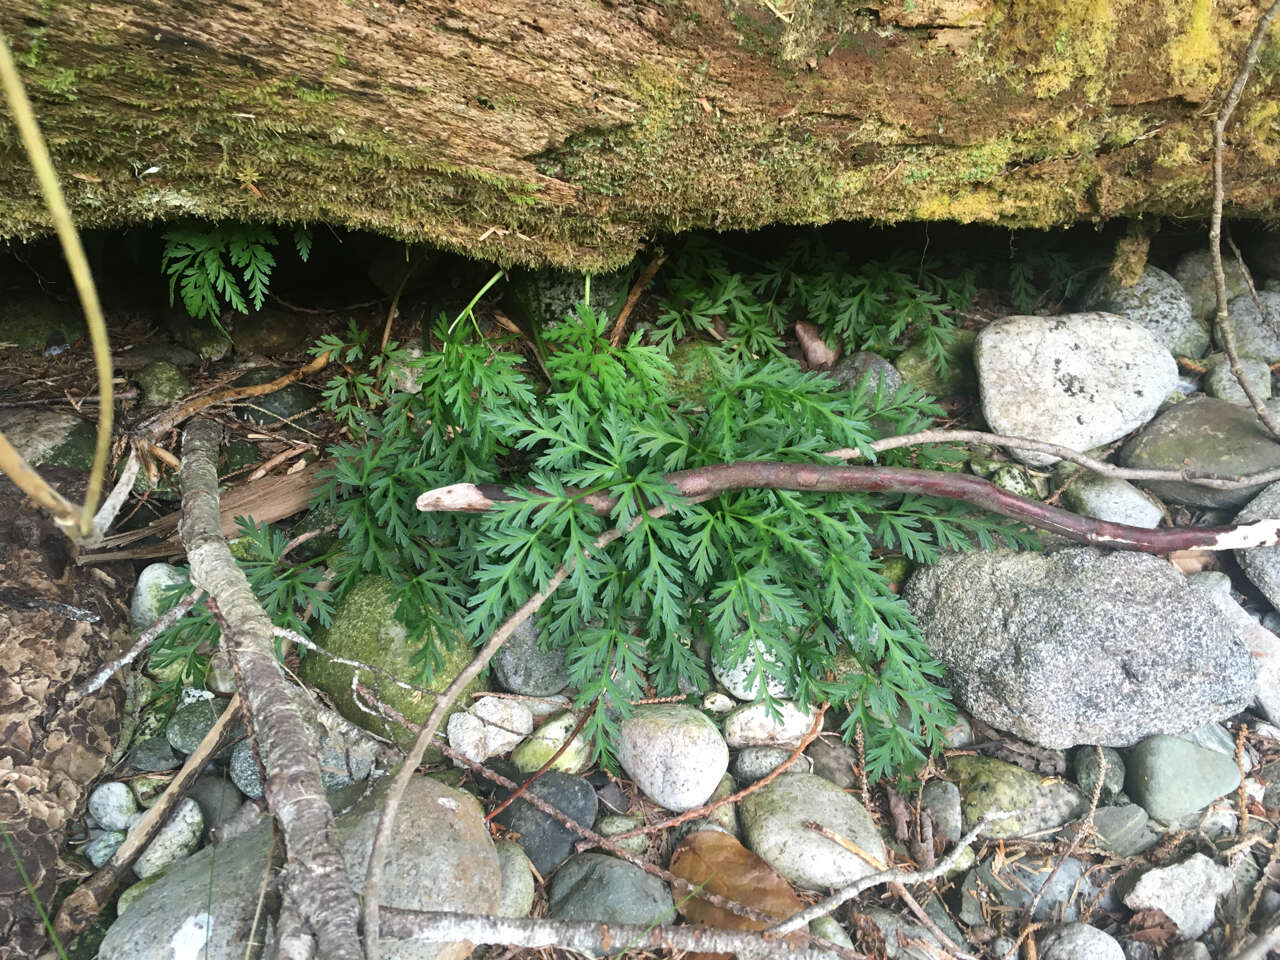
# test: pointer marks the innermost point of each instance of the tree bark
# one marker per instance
(558, 131)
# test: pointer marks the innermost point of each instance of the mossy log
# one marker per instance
(569, 131)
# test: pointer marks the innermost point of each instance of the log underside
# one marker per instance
(568, 132)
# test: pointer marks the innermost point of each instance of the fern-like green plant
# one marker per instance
(790, 582)
(880, 305)
(207, 266)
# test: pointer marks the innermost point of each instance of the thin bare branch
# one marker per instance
(704, 483)
(145, 638)
(905, 877)
(386, 823)
(1222, 318)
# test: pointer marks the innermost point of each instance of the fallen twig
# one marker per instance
(592, 939)
(760, 784)
(637, 288)
(91, 897)
(1215, 219)
(844, 894)
(145, 638)
(386, 823)
(705, 483)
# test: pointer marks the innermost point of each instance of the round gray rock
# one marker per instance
(522, 666)
(1195, 273)
(1222, 383)
(674, 753)
(177, 839)
(1208, 435)
(599, 888)
(517, 880)
(1262, 564)
(1257, 332)
(1114, 500)
(1187, 892)
(149, 592)
(1079, 380)
(1079, 941)
(1159, 304)
(112, 804)
(773, 825)
(1061, 649)
(1170, 777)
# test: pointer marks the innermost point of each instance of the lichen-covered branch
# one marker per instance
(315, 873)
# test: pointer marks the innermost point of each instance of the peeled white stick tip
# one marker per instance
(455, 497)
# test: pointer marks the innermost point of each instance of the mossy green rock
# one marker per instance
(238, 455)
(34, 324)
(988, 785)
(161, 383)
(287, 406)
(268, 331)
(916, 367)
(365, 629)
(546, 740)
(694, 377)
(1203, 435)
(536, 297)
(199, 336)
(49, 438)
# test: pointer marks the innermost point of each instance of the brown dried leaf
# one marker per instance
(719, 864)
(816, 353)
(1153, 927)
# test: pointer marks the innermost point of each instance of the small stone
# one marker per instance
(1204, 435)
(148, 789)
(178, 838)
(918, 367)
(161, 384)
(828, 928)
(1195, 273)
(674, 753)
(834, 760)
(1066, 889)
(597, 888)
(1187, 892)
(850, 371)
(150, 591)
(989, 785)
(190, 723)
(1085, 765)
(1190, 951)
(522, 666)
(517, 880)
(774, 826)
(942, 801)
(1159, 304)
(717, 703)
(1220, 382)
(153, 755)
(132, 893)
(218, 798)
(898, 933)
(1255, 332)
(49, 438)
(1124, 830)
(1079, 941)
(741, 679)
(244, 770)
(1015, 480)
(756, 763)
(112, 804)
(1113, 500)
(545, 840)
(102, 846)
(1170, 777)
(762, 724)
(220, 678)
(491, 726)
(612, 824)
(549, 738)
